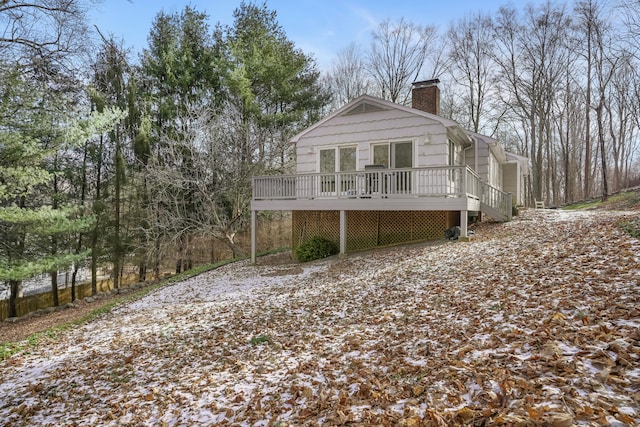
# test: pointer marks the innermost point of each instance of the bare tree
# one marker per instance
(605, 60)
(348, 77)
(587, 12)
(621, 109)
(531, 55)
(217, 181)
(569, 124)
(471, 42)
(39, 33)
(398, 53)
(631, 18)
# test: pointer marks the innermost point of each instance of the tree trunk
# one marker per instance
(156, 259)
(94, 234)
(156, 270)
(54, 287)
(117, 254)
(565, 143)
(603, 152)
(189, 264)
(537, 160)
(14, 289)
(617, 145)
(54, 239)
(181, 255)
(142, 272)
(83, 196)
(116, 274)
(74, 276)
(94, 264)
(567, 168)
(235, 249)
(587, 154)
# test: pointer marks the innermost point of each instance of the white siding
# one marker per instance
(305, 160)
(429, 137)
(483, 162)
(459, 155)
(495, 171)
(512, 182)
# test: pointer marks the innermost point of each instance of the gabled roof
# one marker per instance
(367, 103)
(500, 153)
(524, 162)
(494, 145)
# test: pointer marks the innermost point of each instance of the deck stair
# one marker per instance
(495, 203)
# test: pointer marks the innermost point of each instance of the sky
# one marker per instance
(320, 28)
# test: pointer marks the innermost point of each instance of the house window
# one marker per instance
(347, 159)
(451, 161)
(381, 155)
(402, 154)
(452, 153)
(393, 155)
(336, 159)
(495, 172)
(327, 161)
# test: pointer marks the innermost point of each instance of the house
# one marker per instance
(376, 173)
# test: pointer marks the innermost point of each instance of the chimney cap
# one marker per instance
(426, 83)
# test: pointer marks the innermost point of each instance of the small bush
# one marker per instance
(260, 339)
(514, 210)
(631, 227)
(316, 248)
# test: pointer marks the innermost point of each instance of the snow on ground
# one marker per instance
(534, 322)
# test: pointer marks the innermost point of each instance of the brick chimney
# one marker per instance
(425, 96)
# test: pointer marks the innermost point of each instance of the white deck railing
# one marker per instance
(447, 181)
(497, 199)
(457, 181)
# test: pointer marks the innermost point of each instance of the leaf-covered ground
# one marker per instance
(534, 322)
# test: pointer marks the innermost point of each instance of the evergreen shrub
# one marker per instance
(316, 248)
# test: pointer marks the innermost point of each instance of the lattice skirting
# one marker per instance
(369, 229)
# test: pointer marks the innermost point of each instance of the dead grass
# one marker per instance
(27, 326)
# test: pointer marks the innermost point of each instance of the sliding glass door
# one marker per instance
(337, 159)
(395, 155)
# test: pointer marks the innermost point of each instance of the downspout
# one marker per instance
(475, 155)
(475, 169)
(464, 152)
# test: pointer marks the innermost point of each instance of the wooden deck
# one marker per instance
(455, 188)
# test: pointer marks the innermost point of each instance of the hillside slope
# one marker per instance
(626, 200)
(534, 321)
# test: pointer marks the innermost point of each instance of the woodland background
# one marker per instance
(113, 159)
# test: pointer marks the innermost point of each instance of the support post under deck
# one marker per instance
(464, 215)
(253, 237)
(343, 232)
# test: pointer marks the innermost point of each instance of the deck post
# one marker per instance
(464, 215)
(465, 190)
(253, 236)
(343, 232)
